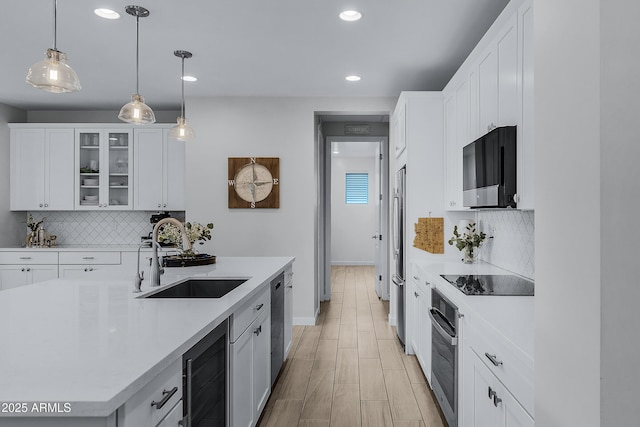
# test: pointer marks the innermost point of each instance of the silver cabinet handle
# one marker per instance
(188, 392)
(259, 306)
(87, 257)
(492, 358)
(46, 205)
(167, 394)
(416, 278)
(258, 330)
(25, 257)
(159, 205)
(22, 269)
(491, 393)
(290, 287)
(496, 400)
(28, 269)
(416, 294)
(427, 283)
(86, 269)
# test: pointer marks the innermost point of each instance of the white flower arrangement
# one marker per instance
(196, 232)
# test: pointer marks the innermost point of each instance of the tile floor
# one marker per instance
(349, 369)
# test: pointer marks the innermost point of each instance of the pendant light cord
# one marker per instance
(182, 78)
(55, 24)
(137, 54)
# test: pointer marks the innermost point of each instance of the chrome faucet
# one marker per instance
(156, 271)
(140, 273)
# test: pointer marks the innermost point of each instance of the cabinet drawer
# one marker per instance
(151, 404)
(90, 257)
(512, 367)
(248, 312)
(27, 257)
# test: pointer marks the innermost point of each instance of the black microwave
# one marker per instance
(489, 170)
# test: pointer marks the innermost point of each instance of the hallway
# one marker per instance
(349, 369)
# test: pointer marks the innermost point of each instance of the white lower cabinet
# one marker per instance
(12, 276)
(25, 268)
(156, 404)
(487, 401)
(251, 371)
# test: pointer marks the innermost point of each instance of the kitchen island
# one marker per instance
(78, 350)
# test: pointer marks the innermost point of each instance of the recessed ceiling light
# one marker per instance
(189, 78)
(353, 78)
(350, 15)
(107, 13)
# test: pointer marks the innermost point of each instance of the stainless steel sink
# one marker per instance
(199, 288)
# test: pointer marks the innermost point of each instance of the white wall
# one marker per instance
(92, 116)
(568, 214)
(279, 127)
(13, 229)
(352, 225)
(619, 207)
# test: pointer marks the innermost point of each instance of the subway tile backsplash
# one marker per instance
(96, 228)
(512, 246)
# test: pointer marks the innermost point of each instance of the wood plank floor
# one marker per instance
(349, 369)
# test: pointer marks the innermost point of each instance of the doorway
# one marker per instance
(352, 233)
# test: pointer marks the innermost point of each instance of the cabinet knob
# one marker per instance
(159, 205)
(46, 205)
(416, 294)
(28, 269)
(164, 205)
(40, 205)
(258, 330)
(416, 278)
(22, 269)
(259, 306)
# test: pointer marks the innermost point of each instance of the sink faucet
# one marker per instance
(140, 273)
(155, 262)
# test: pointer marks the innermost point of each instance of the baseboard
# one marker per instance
(356, 263)
(307, 321)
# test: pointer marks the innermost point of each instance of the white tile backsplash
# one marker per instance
(96, 227)
(512, 246)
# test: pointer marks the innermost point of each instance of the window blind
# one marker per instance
(357, 188)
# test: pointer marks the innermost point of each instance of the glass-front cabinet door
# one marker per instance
(102, 162)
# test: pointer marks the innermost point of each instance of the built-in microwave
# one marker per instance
(489, 170)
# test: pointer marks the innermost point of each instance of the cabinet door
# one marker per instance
(88, 167)
(507, 51)
(12, 276)
(27, 169)
(488, 91)
(117, 155)
(451, 153)
(424, 340)
(40, 273)
(412, 322)
(242, 381)
(261, 362)
(148, 170)
(488, 402)
(59, 169)
(174, 174)
(526, 140)
(400, 130)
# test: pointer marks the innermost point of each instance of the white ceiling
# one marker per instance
(240, 48)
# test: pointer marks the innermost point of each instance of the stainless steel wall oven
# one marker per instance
(444, 355)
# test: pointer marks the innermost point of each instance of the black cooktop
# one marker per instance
(495, 284)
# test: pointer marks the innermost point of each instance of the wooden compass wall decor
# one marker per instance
(254, 182)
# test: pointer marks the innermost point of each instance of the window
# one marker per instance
(357, 188)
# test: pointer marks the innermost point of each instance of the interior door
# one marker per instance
(381, 235)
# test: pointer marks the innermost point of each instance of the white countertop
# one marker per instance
(511, 316)
(94, 343)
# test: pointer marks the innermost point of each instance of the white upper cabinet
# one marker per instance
(102, 164)
(493, 88)
(41, 169)
(159, 171)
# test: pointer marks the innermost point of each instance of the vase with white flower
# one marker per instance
(467, 240)
(196, 233)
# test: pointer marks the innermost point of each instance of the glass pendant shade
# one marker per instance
(137, 111)
(182, 131)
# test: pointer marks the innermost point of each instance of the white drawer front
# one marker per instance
(143, 407)
(29, 257)
(512, 367)
(90, 258)
(246, 314)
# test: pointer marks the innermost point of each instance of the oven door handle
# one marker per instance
(433, 312)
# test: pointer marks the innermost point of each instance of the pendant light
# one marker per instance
(182, 131)
(53, 74)
(137, 111)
